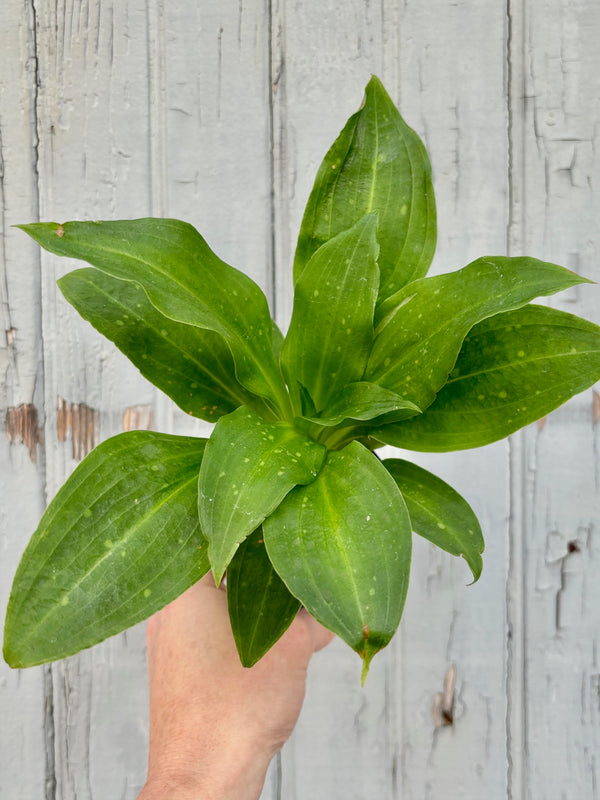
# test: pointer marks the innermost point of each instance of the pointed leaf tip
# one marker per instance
(512, 369)
(368, 649)
(365, 668)
(448, 306)
(375, 83)
(376, 159)
(439, 513)
(260, 606)
(185, 281)
(342, 545)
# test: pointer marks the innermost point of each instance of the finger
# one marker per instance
(321, 636)
(208, 580)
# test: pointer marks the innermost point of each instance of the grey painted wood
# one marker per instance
(94, 122)
(556, 463)
(26, 738)
(220, 114)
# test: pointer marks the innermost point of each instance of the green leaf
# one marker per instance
(438, 513)
(376, 164)
(364, 401)
(331, 331)
(191, 365)
(261, 608)
(119, 541)
(185, 281)
(342, 545)
(423, 326)
(513, 369)
(249, 467)
(277, 340)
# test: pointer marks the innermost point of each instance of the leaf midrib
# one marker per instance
(228, 390)
(77, 521)
(326, 348)
(225, 329)
(31, 631)
(454, 323)
(523, 360)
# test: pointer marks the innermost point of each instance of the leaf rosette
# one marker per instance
(288, 496)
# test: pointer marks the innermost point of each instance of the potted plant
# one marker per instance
(288, 496)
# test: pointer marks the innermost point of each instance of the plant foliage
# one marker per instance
(288, 495)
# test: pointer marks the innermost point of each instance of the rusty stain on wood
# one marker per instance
(81, 422)
(442, 708)
(138, 418)
(595, 407)
(22, 427)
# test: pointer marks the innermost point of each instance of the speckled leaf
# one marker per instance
(512, 369)
(438, 513)
(193, 366)
(185, 281)
(120, 540)
(376, 164)
(331, 331)
(364, 401)
(249, 467)
(342, 545)
(261, 608)
(421, 329)
(277, 340)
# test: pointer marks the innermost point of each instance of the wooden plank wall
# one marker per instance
(219, 113)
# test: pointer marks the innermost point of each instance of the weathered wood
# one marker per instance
(456, 88)
(556, 182)
(25, 732)
(220, 114)
(94, 152)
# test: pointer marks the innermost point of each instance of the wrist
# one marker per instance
(215, 778)
(158, 787)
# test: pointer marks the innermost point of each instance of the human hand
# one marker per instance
(215, 725)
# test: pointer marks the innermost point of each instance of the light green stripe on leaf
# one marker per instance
(331, 330)
(377, 164)
(120, 540)
(185, 281)
(260, 606)
(438, 513)
(421, 329)
(249, 467)
(193, 366)
(342, 545)
(512, 369)
(364, 401)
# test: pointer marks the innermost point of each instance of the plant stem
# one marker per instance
(336, 438)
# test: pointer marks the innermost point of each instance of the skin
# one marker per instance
(215, 725)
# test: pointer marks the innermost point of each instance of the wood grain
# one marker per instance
(25, 732)
(556, 116)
